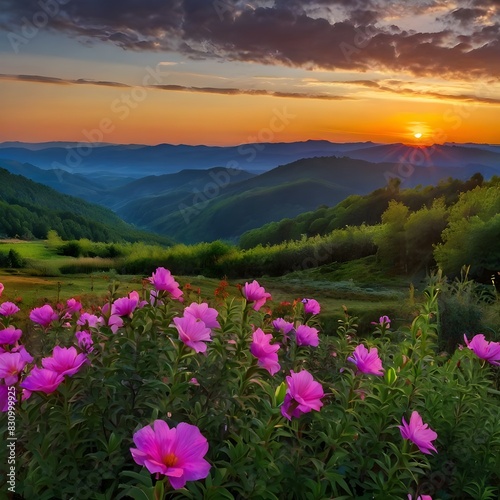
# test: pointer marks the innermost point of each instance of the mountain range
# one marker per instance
(203, 193)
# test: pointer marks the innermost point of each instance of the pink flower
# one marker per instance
(64, 360)
(285, 327)
(489, 351)
(176, 453)
(193, 332)
(311, 306)
(89, 320)
(253, 292)
(43, 315)
(85, 341)
(11, 365)
(384, 321)
(135, 295)
(419, 433)
(162, 280)
(303, 395)
(8, 309)
(307, 335)
(10, 335)
(367, 361)
(420, 497)
(115, 322)
(73, 306)
(1, 288)
(262, 349)
(42, 379)
(125, 306)
(25, 355)
(206, 314)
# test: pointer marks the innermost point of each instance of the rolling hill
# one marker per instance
(29, 209)
(190, 194)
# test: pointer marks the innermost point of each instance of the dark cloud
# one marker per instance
(467, 16)
(291, 33)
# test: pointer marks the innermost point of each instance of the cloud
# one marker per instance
(332, 35)
(175, 88)
(59, 81)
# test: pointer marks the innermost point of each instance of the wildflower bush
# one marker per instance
(161, 395)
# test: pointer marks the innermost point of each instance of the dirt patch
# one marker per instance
(10, 241)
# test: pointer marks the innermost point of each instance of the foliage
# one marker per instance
(29, 210)
(75, 441)
(12, 259)
(473, 235)
(462, 307)
(355, 210)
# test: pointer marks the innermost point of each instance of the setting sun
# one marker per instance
(417, 135)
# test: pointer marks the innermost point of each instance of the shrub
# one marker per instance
(264, 416)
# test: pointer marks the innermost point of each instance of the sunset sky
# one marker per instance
(229, 72)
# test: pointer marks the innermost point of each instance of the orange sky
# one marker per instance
(38, 112)
(339, 74)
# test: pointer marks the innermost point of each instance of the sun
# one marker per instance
(417, 135)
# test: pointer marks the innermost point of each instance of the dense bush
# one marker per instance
(11, 259)
(277, 409)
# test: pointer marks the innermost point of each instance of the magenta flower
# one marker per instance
(43, 315)
(162, 280)
(311, 306)
(384, 322)
(73, 306)
(489, 351)
(285, 327)
(8, 309)
(193, 332)
(135, 295)
(303, 395)
(253, 292)
(1, 288)
(367, 361)
(10, 335)
(307, 335)
(25, 355)
(125, 306)
(64, 360)
(204, 313)
(84, 340)
(11, 365)
(176, 453)
(265, 353)
(419, 433)
(420, 497)
(42, 379)
(89, 320)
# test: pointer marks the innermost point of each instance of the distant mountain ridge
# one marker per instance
(201, 193)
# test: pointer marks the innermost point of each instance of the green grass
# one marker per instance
(37, 250)
(360, 286)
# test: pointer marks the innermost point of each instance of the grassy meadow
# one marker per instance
(357, 286)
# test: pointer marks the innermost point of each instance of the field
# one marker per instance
(334, 287)
(161, 365)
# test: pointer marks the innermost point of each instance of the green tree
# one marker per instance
(473, 235)
(391, 239)
(423, 231)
